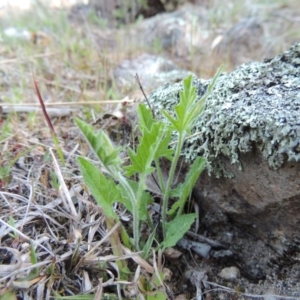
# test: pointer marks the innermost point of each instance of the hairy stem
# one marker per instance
(135, 202)
(166, 195)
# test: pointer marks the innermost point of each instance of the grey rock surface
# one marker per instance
(181, 33)
(250, 135)
(243, 42)
(152, 70)
(257, 105)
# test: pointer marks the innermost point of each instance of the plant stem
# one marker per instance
(135, 208)
(116, 247)
(170, 181)
(160, 177)
(136, 223)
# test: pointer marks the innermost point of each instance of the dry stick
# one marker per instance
(69, 103)
(141, 87)
(18, 60)
(203, 239)
(230, 290)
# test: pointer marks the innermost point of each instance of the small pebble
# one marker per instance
(231, 273)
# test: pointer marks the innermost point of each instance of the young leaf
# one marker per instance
(177, 228)
(145, 201)
(101, 144)
(145, 117)
(149, 143)
(184, 189)
(175, 124)
(188, 109)
(188, 94)
(164, 149)
(103, 189)
(199, 106)
(184, 108)
(146, 123)
(187, 99)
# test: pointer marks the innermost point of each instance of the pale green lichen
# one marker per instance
(258, 105)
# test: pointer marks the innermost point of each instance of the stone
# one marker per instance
(230, 273)
(128, 11)
(250, 136)
(241, 43)
(153, 70)
(181, 33)
(199, 248)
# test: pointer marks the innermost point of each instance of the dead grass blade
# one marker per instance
(140, 261)
(25, 237)
(6, 270)
(99, 292)
(69, 205)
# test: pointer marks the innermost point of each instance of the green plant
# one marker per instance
(114, 184)
(12, 222)
(54, 180)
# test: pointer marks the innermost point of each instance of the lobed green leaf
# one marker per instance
(145, 117)
(101, 144)
(149, 143)
(103, 189)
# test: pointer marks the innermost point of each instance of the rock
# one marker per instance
(129, 11)
(243, 42)
(113, 9)
(251, 140)
(172, 253)
(199, 248)
(152, 70)
(230, 273)
(181, 33)
(181, 297)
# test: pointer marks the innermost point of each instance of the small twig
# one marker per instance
(141, 87)
(203, 239)
(25, 59)
(68, 103)
(230, 290)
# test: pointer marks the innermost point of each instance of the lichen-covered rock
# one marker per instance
(249, 197)
(257, 104)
